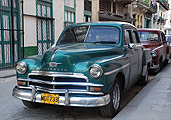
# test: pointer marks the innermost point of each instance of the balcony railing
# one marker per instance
(125, 2)
(146, 2)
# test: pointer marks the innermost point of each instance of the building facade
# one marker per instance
(143, 11)
(112, 10)
(160, 17)
(47, 18)
(167, 26)
(11, 32)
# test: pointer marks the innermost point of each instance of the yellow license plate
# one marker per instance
(49, 98)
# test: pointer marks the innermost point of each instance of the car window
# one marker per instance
(148, 36)
(127, 37)
(74, 35)
(92, 34)
(135, 37)
(163, 37)
(103, 34)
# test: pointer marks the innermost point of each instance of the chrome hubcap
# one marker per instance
(116, 97)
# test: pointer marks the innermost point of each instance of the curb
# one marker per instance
(7, 73)
(8, 76)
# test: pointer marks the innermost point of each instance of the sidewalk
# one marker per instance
(153, 102)
(7, 73)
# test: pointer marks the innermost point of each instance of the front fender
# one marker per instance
(33, 64)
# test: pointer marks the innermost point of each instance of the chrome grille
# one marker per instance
(54, 80)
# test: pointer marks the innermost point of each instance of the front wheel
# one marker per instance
(159, 68)
(30, 104)
(111, 109)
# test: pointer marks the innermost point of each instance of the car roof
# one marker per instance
(108, 23)
(149, 29)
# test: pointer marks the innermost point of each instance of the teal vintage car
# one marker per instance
(90, 66)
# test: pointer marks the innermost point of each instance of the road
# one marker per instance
(13, 109)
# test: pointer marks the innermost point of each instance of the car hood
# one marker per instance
(68, 55)
(150, 44)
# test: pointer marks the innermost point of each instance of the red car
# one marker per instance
(155, 40)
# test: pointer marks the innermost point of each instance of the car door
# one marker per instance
(132, 56)
(163, 42)
(138, 48)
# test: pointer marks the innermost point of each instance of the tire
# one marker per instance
(158, 69)
(111, 109)
(30, 104)
(143, 80)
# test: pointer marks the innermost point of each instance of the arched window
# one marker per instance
(138, 20)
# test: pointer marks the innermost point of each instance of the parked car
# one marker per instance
(90, 66)
(168, 39)
(155, 40)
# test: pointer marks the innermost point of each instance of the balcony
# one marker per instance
(148, 6)
(164, 3)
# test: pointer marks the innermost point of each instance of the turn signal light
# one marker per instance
(22, 83)
(95, 89)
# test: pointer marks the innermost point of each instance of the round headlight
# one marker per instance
(21, 67)
(96, 71)
(153, 53)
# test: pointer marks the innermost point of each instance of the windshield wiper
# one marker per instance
(110, 42)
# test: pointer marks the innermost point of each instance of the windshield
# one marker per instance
(92, 34)
(168, 38)
(148, 36)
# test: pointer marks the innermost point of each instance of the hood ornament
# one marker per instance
(54, 64)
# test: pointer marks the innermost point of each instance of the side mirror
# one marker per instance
(130, 46)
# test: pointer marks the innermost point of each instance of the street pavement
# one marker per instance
(153, 102)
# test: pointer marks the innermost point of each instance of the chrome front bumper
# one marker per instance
(33, 95)
(154, 66)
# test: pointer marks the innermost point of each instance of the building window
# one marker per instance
(138, 21)
(141, 21)
(44, 25)
(69, 14)
(134, 17)
(87, 10)
(105, 5)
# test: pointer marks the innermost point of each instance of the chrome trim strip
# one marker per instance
(111, 59)
(157, 48)
(73, 91)
(62, 83)
(113, 71)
